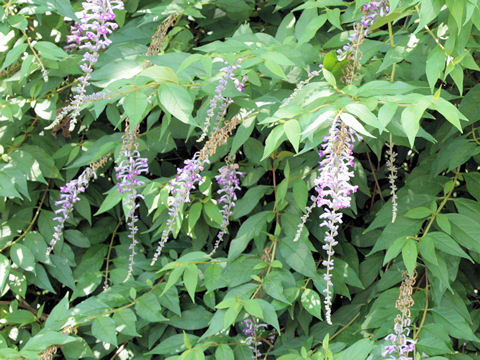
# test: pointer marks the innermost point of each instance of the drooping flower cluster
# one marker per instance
(351, 50)
(334, 189)
(189, 175)
(69, 195)
(185, 181)
(130, 166)
(392, 176)
(91, 34)
(401, 344)
(229, 182)
(219, 103)
(333, 193)
(251, 330)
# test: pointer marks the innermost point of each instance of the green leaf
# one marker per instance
(14, 54)
(329, 77)
(103, 328)
(465, 231)
(160, 74)
(427, 249)
(148, 307)
(449, 111)
(312, 303)
(125, 322)
(22, 257)
(470, 106)
(409, 255)
(298, 256)
(173, 278)
(172, 345)
(354, 124)
(76, 238)
(135, 105)
(224, 352)
(411, 117)
(213, 212)
(394, 249)
(253, 307)
(312, 27)
(333, 16)
(193, 215)
(177, 101)
(190, 279)
(385, 115)
(42, 340)
(50, 51)
(112, 199)
(435, 65)
(420, 212)
(61, 7)
(275, 68)
(252, 227)
(4, 270)
(445, 243)
(269, 314)
(293, 131)
(274, 139)
(358, 351)
(443, 223)
(22, 317)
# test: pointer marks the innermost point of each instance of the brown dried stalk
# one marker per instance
(218, 138)
(158, 39)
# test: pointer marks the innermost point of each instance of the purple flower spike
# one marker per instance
(69, 195)
(185, 181)
(221, 101)
(129, 166)
(333, 193)
(91, 34)
(229, 182)
(371, 11)
(252, 327)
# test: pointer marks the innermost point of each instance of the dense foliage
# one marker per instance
(124, 236)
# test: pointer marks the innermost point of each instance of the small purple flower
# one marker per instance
(69, 195)
(229, 182)
(129, 167)
(252, 327)
(185, 181)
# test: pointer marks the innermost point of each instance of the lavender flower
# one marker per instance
(69, 195)
(371, 11)
(251, 332)
(229, 182)
(392, 176)
(333, 193)
(221, 101)
(130, 166)
(91, 34)
(401, 345)
(185, 181)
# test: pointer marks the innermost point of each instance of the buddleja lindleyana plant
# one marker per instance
(262, 296)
